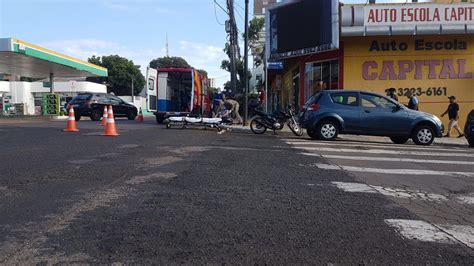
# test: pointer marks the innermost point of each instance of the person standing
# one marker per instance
(453, 115)
(391, 94)
(217, 101)
(413, 103)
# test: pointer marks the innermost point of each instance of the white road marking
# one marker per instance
(420, 230)
(390, 146)
(355, 187)
(386, 159)
(466, 199)
(391, 171)
(462, 233)
(379, 151)
(387, 191)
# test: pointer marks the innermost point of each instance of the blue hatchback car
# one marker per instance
(329, 113)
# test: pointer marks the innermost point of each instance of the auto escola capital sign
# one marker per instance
(383, 15)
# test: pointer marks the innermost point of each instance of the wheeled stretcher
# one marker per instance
(219, 123)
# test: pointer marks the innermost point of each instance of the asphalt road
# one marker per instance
(192, 196)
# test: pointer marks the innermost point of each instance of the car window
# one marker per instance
(81, 98)
(314, 99)
(345, 98)
(114, 100)
(101, 98)
(375, 101)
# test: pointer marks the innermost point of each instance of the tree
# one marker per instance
(256, 27)
(168, 62)
(203, 72)
(121, 74)
(240, 68)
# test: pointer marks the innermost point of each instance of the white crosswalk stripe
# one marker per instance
(424, 231)
(437, 178)
(392, 192)
(381, 151)
(400, 193)
(371, 145)
(391, 171)
(387, 159)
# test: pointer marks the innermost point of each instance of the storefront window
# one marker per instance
(321, 76)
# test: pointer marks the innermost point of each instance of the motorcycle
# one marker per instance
(276, 121)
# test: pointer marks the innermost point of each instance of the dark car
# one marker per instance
(329, 113)
(92, 105)
(469, 129)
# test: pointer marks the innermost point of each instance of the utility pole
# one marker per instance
(133, 87)
(233, 42)
(246, 63)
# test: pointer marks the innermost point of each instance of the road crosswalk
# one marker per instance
(435, 175)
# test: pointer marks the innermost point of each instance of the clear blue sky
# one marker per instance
(135, 29)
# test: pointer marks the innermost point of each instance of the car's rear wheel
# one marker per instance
(312, 133)
(471, 142)
(131, 115)
(77, 117)
(423, 135)
(328, 130)
(399, 140)
(96, 115)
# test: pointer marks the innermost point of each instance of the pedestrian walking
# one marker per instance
(391, 94)
(234, 107)
(453, 115)
(412, 101)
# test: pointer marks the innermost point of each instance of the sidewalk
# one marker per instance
(287, 132)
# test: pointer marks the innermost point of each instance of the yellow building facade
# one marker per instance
(431, 67)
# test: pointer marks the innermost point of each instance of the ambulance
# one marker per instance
(177, 92)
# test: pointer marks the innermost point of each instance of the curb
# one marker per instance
(363, 139)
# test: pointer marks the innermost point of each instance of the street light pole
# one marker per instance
(246, 62)
(133, 98)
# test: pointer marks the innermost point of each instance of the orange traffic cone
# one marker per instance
(104, 117)
(140, 116)
(110, 129)
(71, 122)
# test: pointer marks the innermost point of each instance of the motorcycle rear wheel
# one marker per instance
(257, 126)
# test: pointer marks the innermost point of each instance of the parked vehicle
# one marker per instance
(176, 92)
(276, 121)
(92, 105)
(469, 129)
(329, 113)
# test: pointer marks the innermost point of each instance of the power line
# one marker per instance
(215, 14)
(225, 11)
(238, 13)
(243, 9)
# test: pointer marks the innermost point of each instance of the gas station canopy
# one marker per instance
(21, 58)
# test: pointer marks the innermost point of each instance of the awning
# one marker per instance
(25, 59)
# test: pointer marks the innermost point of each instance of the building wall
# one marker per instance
(433, 67)
(260, 5)
(4, 87)
(450, 1)
(26, 92)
